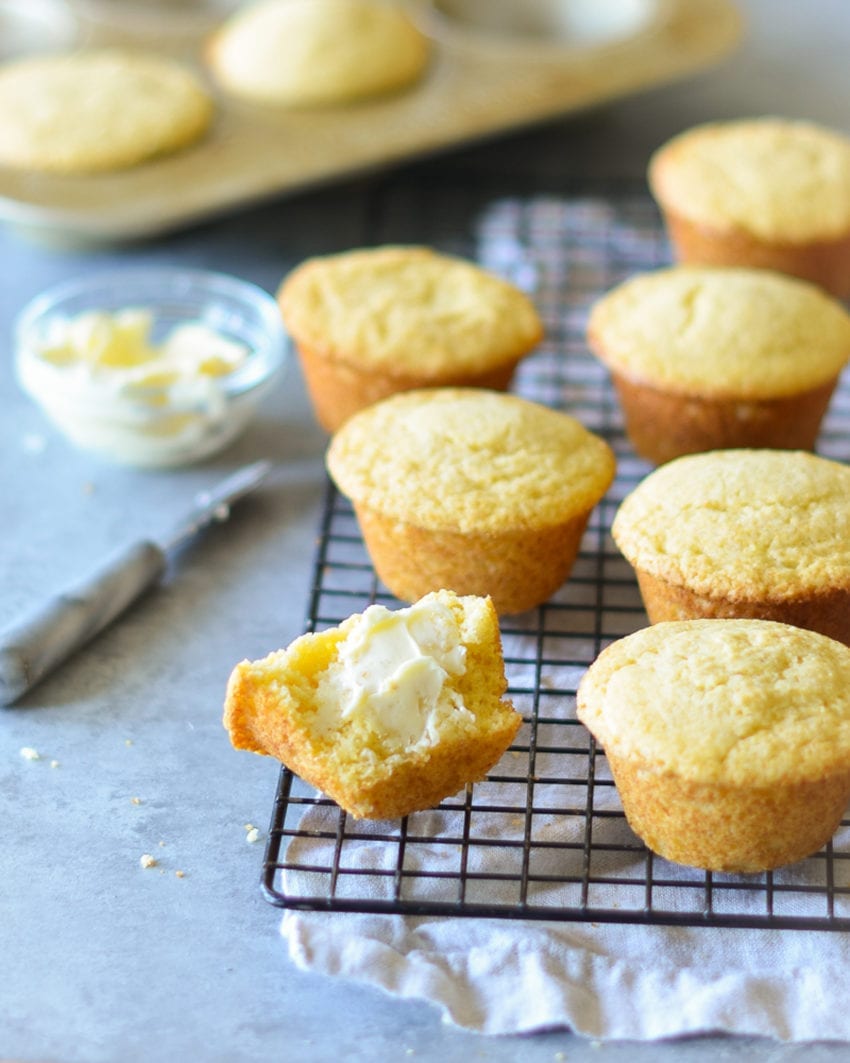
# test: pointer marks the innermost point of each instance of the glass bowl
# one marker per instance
(110, 400)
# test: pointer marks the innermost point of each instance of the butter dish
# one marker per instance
(150, 367)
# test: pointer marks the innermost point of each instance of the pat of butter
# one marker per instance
(392, 674)
(119, 341)
(118, 346)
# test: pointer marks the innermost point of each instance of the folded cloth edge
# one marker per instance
(608, 982)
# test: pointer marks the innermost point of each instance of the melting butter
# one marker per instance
(392, 674)
(117, 349)
(102, 379)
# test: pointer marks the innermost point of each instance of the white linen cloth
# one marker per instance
(606, 981)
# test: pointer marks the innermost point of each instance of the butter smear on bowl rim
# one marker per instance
(152, 368)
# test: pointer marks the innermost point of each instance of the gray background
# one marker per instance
(100, 960)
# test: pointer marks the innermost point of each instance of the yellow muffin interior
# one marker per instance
(389, 712)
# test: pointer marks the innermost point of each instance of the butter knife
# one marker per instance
(34, 645)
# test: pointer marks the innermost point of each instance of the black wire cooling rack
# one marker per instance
(544, 837)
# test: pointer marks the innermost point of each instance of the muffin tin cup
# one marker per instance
(665, 425)
(480, 84)
(338, 389)
(727, 828)
(827, 612)
(825, 262)
(517, 569)
(416, 781)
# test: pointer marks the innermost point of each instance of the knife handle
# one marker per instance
(33, 646)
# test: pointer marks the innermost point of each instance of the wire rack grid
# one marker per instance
(544, 837)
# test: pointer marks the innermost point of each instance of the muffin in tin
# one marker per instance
(98, 110)
(316, 53)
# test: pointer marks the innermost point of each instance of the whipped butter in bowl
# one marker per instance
(150, 367)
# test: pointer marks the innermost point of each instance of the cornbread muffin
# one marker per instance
(388, 713)
(368, 323)
(309, 52)
(96, 110)
(728, 740)
(762, 192)
(704, 359)
(743, 533)
(471, 490)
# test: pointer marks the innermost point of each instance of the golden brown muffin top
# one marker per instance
(777, 180)
(313, 52)
(97, 109)
(408, 310)
(741, 524)
(470, 460)
(721, 333)
(739, 702)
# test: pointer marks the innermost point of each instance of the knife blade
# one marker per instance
(33, 646)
